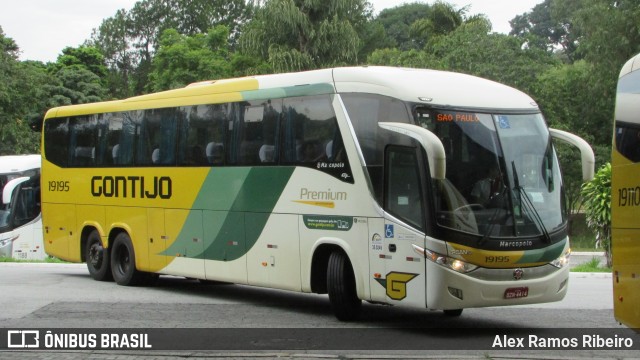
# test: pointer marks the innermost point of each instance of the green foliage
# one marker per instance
(609, 32)
(592, 265)
(397, 23)
(471, 49)
(548, 26)
(130, 39)
(412, 26)
(20, 98)
(48, 259)
(85, 57)
(295, 35)
(597, 205)
(75, 85)
(182, 59)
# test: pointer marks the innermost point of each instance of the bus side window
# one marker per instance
(156, 140)
(127, 126)
(310, 132)
(201, 128)
(628, 141)
(27, 202)
(56, 141)
(256, 130)
(82, 144)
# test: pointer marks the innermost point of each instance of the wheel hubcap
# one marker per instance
(95, 255)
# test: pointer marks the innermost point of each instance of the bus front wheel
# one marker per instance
(97, 258)
(341, 286)
(123, 262)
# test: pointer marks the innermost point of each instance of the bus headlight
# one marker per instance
(563, 260)
(443, 260)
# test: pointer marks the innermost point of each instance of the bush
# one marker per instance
(597, 205)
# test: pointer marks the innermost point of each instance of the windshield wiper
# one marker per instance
(528, 204)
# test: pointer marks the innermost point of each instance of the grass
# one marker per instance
(592, 265)
(48, 259)
(583, 242)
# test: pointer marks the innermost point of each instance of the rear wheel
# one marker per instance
(341, 286)
(97, 258)
(123, 262)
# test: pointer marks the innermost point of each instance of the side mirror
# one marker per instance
(429, 141)
(588, 159)
(9, 187)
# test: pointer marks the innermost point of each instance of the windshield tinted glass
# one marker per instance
(502, 174)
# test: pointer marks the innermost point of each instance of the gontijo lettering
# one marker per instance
(131, 187)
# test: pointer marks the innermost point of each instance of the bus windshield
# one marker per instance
(503, 178)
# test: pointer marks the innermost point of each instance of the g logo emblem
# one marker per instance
(396, 284)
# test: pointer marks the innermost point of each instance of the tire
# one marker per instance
(453, 312)
(123, 262)
(341, 286)
(97, 257)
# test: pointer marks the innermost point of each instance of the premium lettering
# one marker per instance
(132, 187)
(306, 194)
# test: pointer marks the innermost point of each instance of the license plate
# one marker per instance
(516, 293)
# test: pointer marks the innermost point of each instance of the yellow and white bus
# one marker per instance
(625, 196)
(399, 186)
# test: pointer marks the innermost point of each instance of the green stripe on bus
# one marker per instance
(234, 218)
(547, 254)
(290, 91)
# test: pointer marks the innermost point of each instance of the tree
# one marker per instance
(130, 39)
(182, 59)
(75, 85)
(609, 32)
(295, 35)
(113, 40)
(548, 26)
(413, 26)
(597, 195)
(86, 57)
(397, 23)
(471, 49)
(20, 99)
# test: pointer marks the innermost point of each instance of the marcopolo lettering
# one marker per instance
(132, 187)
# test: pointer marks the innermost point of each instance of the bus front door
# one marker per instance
(397, 268)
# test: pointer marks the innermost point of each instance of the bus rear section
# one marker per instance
(625, 197)
(20, 218)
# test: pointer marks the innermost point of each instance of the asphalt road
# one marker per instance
(54, 296)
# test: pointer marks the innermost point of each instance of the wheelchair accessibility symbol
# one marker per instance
(388, 231)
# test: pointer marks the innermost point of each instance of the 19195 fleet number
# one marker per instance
(60, 186)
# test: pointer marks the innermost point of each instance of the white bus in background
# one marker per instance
(20, 217)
